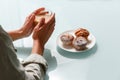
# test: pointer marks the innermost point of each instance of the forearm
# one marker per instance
(37, 47)
(16, 34)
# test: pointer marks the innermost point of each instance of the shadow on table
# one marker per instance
(52, 62)
(77, 55)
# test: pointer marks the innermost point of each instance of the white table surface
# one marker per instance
(101, 18)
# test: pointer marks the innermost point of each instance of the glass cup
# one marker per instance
(45, 14)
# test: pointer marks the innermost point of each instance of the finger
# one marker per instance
(51, 29)
(32, 18)
(43, 13)
(51, 19)
(46, 26)
(38, 10)
(50, 32)
(50, 24)
(29, 22)
(41, 22)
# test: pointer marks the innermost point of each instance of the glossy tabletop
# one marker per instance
(101, 18)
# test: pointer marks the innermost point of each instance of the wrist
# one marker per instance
(15, 34)
(22, 33)
(37, 47)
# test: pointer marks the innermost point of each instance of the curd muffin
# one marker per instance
(82, 32)
(67, 39)
(79, 43)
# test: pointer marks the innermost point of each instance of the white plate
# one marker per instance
(91, 44)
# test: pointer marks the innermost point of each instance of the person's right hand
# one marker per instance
(43, 30)
(28, 25)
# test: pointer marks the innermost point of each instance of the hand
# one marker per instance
(28, 26)
(42, 33)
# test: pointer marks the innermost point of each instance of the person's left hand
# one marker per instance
(28, 26)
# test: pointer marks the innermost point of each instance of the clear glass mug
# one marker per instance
(43, 15)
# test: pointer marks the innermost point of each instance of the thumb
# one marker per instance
(40, 23)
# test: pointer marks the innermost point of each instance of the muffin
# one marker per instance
(67, 39)
(79, 43)
(82, 32)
